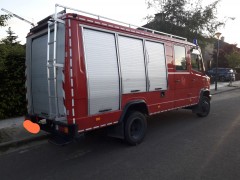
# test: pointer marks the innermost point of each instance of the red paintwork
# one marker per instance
(183, 93)
(79, 73)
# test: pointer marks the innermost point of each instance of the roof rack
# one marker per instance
(120, 22)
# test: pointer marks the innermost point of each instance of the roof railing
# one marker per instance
(119, 22)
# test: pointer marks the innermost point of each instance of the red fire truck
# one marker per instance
(86, 72)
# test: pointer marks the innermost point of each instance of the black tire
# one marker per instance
(135, 128)
(203, 107)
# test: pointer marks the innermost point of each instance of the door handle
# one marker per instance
(135, 90)
(193, 80)
(177, 81)
(104, 110)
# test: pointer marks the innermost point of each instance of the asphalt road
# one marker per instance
(178, 145)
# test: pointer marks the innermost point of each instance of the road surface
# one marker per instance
(178, 145)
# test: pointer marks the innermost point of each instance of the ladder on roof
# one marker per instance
(53, 65)
(122, 23)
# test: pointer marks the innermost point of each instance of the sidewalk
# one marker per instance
(13, 134)
(223, 87)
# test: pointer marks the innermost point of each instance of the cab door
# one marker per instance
(181, 77)
(197, 78)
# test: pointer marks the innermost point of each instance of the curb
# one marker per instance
(23, 141)
(219, 92)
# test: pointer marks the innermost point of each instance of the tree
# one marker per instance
(3, 20)
(229, 55)
(183, 18)
(11, 38)
(233, 59)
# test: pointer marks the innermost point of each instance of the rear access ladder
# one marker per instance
(53, 65)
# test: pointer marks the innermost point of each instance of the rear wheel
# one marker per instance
(135, 128)
(203, 107)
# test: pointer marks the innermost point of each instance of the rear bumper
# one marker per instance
(55, 127)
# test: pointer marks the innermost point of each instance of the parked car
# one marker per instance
(224, 74)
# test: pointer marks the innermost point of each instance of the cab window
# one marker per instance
(196, 61)
(180, 58)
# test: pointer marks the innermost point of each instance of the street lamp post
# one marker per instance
(218, 34)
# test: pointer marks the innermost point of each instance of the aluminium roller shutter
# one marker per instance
(157, 73)
(102, 71)
(132, 64)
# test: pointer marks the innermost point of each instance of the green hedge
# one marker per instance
(12, 80)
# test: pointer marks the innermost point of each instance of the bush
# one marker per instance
(12, 80)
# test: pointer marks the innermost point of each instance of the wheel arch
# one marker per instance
(136, 105)
(197, 108)
(206, 93)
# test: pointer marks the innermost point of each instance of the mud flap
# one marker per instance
(116, 131)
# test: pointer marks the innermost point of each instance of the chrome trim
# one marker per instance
(119, 71)
(146, 61)
(96, 127)
(166, 66)
(85, 62)
(172, 109)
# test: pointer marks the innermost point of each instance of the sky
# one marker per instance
(129, 11)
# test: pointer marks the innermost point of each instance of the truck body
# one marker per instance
(85, 73)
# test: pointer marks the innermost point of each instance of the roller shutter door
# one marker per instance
(157, 73)
(102, 71)
(132, 64)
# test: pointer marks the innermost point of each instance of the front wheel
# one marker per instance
(203, 107)
(135, 128)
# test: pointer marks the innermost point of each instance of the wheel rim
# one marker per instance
(136, 129)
